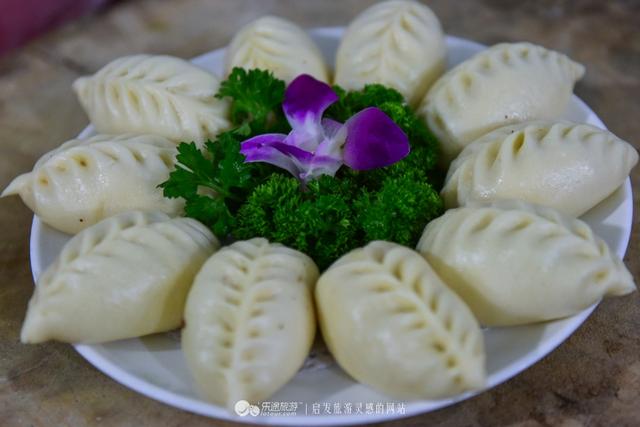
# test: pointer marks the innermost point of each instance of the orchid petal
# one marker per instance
(373, 140)
(302, 156)
(331, 128)
(317, 146)
(250, 144)
(335, 134)
(274, 149)
(305, 100)
(263, 148)
(304, 139)
(321, 165)
(307, 165)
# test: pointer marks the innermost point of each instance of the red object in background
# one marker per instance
(21, 20)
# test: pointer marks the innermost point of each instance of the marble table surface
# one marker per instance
(591, 379)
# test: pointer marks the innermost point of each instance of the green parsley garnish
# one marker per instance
(330, 215)
(256, 98)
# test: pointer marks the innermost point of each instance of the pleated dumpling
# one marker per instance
(391, 323)
(84, 181)
(397, 43)
(505, 84)
(161, 95)
(124, 277)
(278, 45)
(567, 166)
(515, 263)
(249, 321)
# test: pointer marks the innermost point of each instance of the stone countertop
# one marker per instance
(591, 379)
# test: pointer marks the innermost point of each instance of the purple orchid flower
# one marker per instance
(320, 146)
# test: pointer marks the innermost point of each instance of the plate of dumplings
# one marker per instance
(538, 217)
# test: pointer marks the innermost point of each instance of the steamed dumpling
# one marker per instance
(567, 166)
(505, 84)
(397, 43)
(124, 277)
(391, 323)
(161, 95)
(515, 263)
(85, 181)
(250, 321)
(280, 46)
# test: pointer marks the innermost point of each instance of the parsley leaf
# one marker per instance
(216, 181)
(191, 171)
(213, 212)
(256, 99)
(214, 186)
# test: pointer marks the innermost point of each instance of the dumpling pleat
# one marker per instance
(395, 43)
(391, 323)
(124, 277)
(515, 263)
(249, 321)
(85, 181)
(567, 166)
(505, 84)
(160, 95)
(276, 45)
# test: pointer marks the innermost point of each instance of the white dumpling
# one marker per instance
(249, 321)
(505, 84)
(124, 277)
(278, 45)
(161, 95)
(515, 263)
(397, 43)
(85, 181)
(567, 166)
(391, 323)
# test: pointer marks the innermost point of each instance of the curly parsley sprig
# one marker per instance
(256, 98)
(331, 215)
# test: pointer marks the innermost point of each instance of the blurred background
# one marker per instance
(22, 20)
(46, 44)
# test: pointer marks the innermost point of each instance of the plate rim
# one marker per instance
(189, 404)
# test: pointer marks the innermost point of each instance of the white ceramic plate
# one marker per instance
(154, 365)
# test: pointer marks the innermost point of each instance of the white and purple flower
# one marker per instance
(320, 146)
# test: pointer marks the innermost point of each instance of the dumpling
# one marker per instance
(278, 45)
(249, 321)
(124, 277)
(515, 263)
(567, 166)
(505, 84)
(160, 95)
(85, 181)
(392, 324)
(397, 43)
